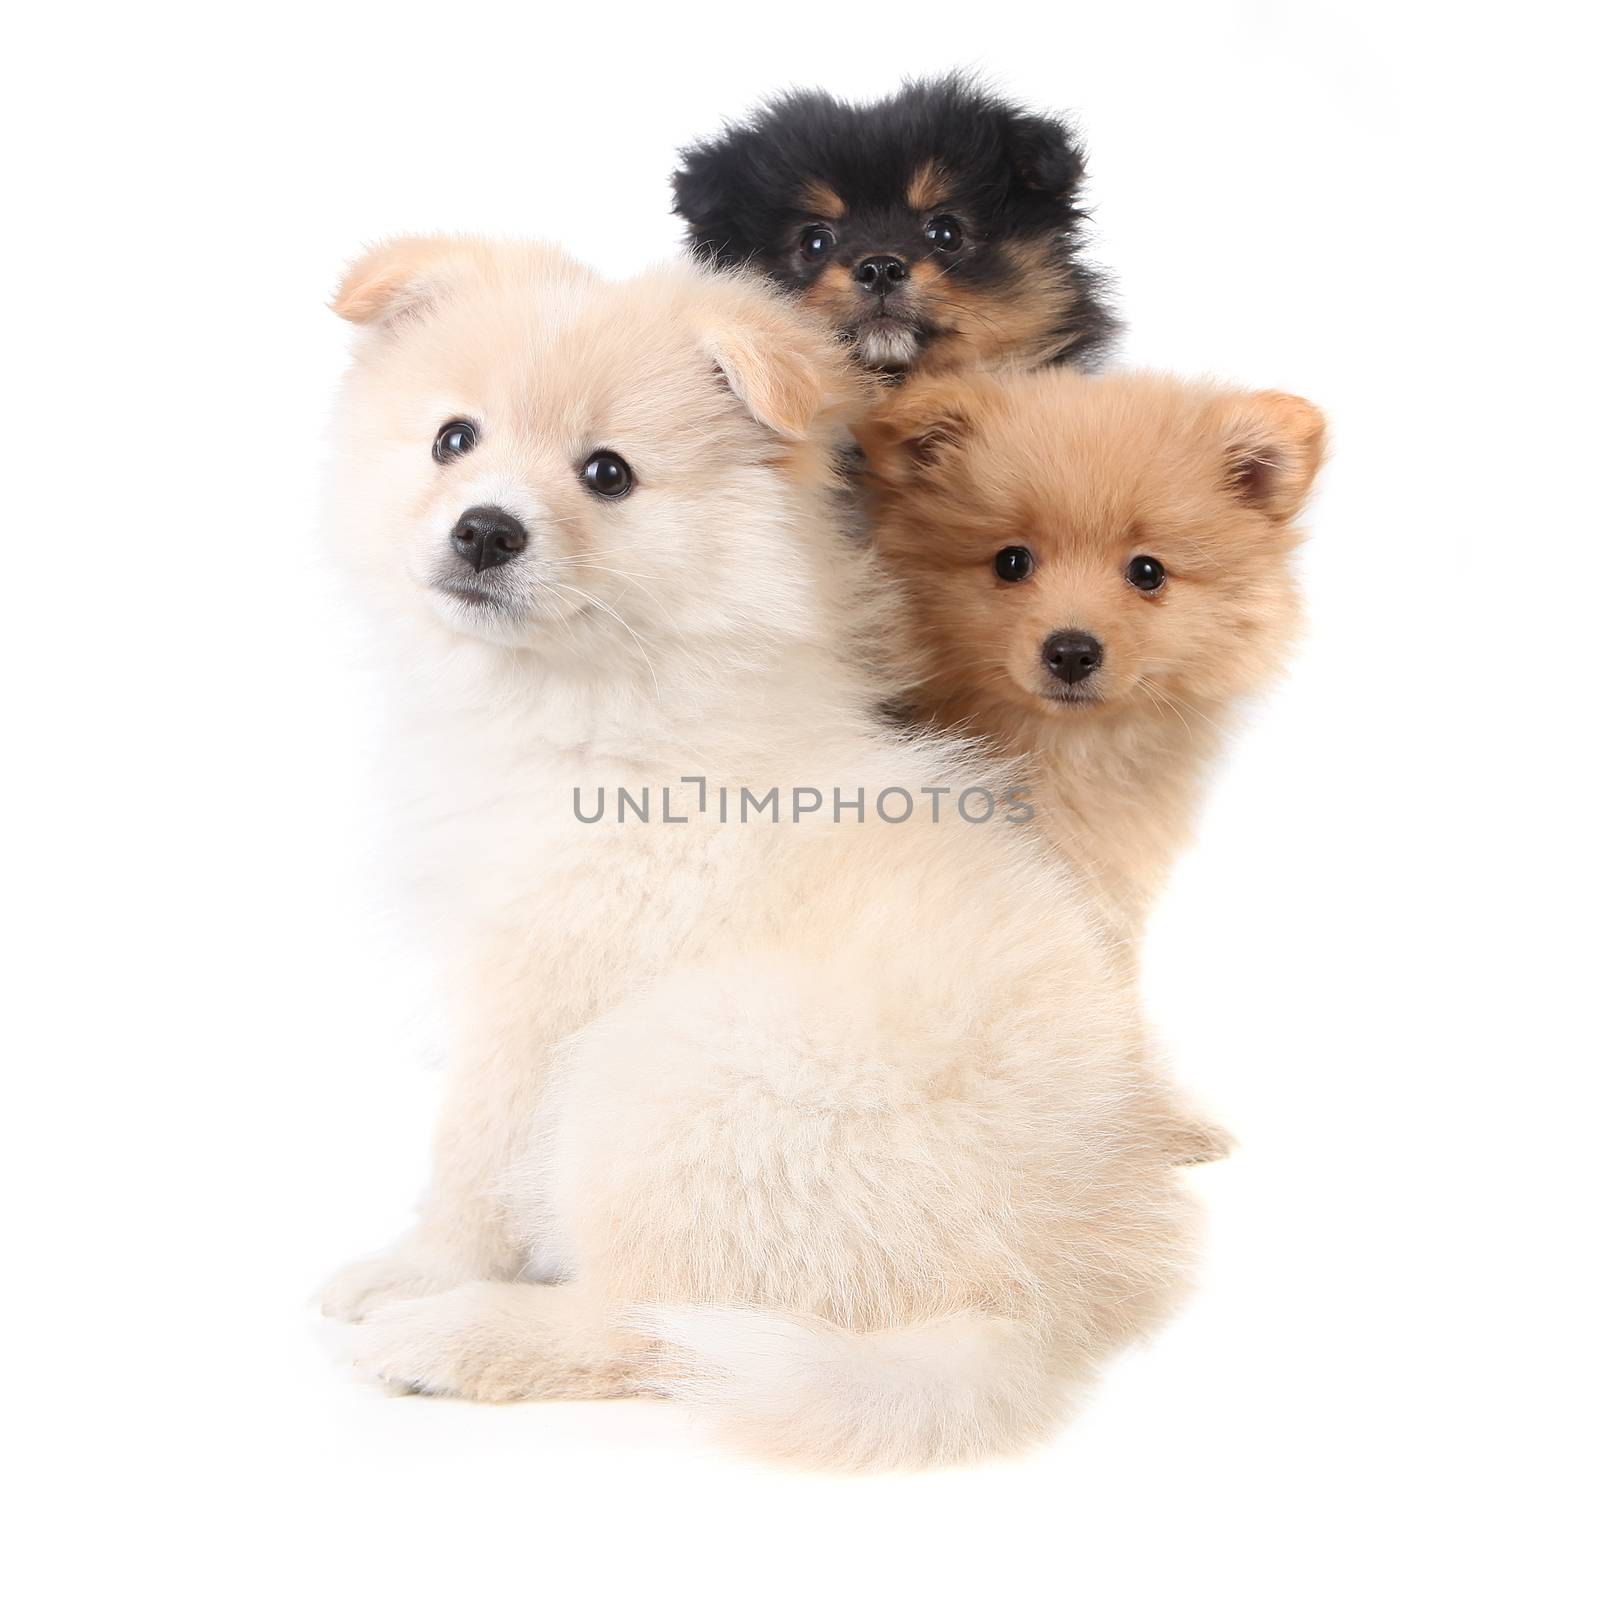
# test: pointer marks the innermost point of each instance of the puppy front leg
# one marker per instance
(459, 1236)
(461, 1233)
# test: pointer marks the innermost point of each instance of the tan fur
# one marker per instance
(983, 328)
(816, 199)
(928, 188)
(842, 1131)
(832, 295)
(1087, 473)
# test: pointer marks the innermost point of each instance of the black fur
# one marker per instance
(1014, 177)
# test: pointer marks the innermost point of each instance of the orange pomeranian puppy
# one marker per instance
(1099, 571)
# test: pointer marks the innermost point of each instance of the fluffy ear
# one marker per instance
(398, 278)
(924, 426)
(786, 369)
(701, 194)
(1273, 445)
(699, 189)
(1045, 156)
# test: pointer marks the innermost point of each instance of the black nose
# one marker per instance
(1073, 655)
(486, 536)
(881, 273)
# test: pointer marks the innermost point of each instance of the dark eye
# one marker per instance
(1145, 572)
(608, 474)
(943, 233)
(453, 439)
(1013, 564)
(816, 242)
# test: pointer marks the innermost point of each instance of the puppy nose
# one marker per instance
(1072, 655)
(486, 536)
(881, 273)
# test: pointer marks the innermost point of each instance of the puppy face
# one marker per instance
(933, 230)
(589, 472)
(1083, 547)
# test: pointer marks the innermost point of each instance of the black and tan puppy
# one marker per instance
(935, 229)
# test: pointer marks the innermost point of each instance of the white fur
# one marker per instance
(884, 345)
(843, 1131)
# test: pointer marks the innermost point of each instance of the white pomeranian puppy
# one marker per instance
(836, 1124)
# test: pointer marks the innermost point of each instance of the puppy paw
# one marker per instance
(363, 1286)
(447, 1344)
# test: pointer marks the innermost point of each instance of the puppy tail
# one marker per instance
(806, 1391)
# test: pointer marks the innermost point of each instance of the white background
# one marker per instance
(1377, 966)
